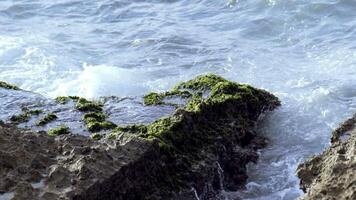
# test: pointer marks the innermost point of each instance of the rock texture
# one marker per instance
(332, 175)
(37, 166)
(199, 150)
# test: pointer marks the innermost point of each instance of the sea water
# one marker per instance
(303, 51)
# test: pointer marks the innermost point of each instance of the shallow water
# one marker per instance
(302, 51)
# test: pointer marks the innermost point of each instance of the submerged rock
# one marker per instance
(203, 147)
(332, 174)
(8, 86)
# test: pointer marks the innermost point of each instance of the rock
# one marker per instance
(194, 153)
(64, 166)
(332, 174)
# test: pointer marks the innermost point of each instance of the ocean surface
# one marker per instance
(303, 51)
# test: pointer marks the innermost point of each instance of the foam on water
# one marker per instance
(303, 51)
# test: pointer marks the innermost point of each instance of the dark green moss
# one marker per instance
(94, 116)
(194, 103)
(65, 99)
(34, 112)
(95, 126)
(192, 89)
(96, 122)
(62, 130)
(74, 98)
(47, 119)
(200, 83)
(97, 136)
(21, 118)
(153, 98)
(25, 116)
(8, 86)
(62, 99)
(135, 129)
(85, 105)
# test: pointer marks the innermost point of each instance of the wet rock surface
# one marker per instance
(38, 166)
(332, 174)
(16, 105)
(203, 147)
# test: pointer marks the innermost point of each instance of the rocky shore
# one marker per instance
(332, 174)
(199, 149)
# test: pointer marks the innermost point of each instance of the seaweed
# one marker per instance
(96, 121)
(66, 99)
(8, 86)
(25, 116)
(61, 130)
(47, 119)
(85, 105)
(154, 98)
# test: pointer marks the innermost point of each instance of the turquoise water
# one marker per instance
(302, 51)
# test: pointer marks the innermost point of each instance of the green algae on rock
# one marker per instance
(8, 86)
(82, 104)
(21, 118)
(215, 87)
(66, 99)
(224, 94)
(96, 121)
(95, 126)
(97, 136)
(206, 130)
(154, 98)
(47, 119)
(199, 150)
(34, 112)
(201, 83)
(61, 130)
(94, 118)
(85, 105)
(25, 116)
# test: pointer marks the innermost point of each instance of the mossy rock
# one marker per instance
(227, 114)
(8, 86)
(25, 116)
(21, 118)
(47, 119)
(136, 129)
(96, 121)
(62, 130)
(213, 133)
(226, 99)
(85, 105)
(66, 99)
(97, 136)
(96, 126)
(153, 98)
(94, 116)
(201, 83)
